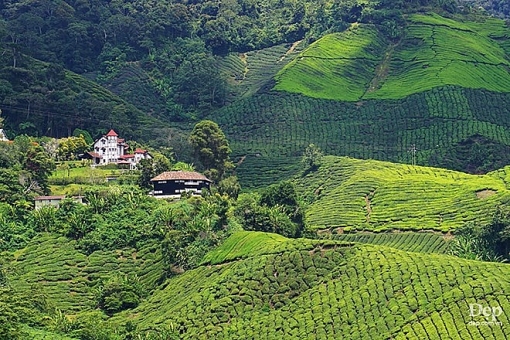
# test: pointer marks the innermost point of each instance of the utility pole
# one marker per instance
(413, 150)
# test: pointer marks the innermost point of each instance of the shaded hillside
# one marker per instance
(373, 195)
(40, 98)
(329, 290)
(253, 71)
(269, 132)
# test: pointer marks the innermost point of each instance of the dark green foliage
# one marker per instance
(191, 228)
(284, 195)
(476, 154)
(229, 186)
(25, 168)
(211, 148)
(276, 210)
(150, 168)
(489, 242)
(312, 157)
(118, 293)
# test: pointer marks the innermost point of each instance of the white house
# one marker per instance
(112, 149)
(3, 137)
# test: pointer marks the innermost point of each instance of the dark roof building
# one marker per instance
(174, 183)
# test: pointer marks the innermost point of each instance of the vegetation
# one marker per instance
(489, 242)
(360, 63)
(211, 148)
(423, 242)
(329, 247)
(441, 123)
(309, 289)
(278, 210)
(351, 194)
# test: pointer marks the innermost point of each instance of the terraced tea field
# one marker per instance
(249, 72)
(329, 290)
(270, 131)
(425, 242)
(433, 52)
(371, 195)
(68, 278)
(338, 66)
(356, 94)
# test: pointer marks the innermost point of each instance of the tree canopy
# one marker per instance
(211, 148)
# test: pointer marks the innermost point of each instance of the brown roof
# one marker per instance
(182, 175)
(42, 198)
(94, 154)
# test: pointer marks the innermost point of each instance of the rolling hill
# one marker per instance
(327, 289)
(434, 51)
(351, 194)
(443, 89)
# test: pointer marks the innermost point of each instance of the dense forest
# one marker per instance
(500, 8)
(160, 57)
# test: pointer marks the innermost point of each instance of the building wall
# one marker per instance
(176, 187)
(41, 203)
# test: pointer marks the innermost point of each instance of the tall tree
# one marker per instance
(211, 148)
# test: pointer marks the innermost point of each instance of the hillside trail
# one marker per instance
(381, 71)
(290, 50)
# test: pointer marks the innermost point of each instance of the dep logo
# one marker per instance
(490, 313)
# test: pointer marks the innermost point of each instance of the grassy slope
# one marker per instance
(338, 66)
(326, 291)
(378, 196)
(434, 52)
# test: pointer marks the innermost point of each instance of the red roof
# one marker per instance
(112, 133)
(181, 175)
(138, 150)
(127, 156)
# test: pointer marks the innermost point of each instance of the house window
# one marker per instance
(162, 182)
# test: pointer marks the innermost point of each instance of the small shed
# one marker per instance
(54, 201)
(172, 184)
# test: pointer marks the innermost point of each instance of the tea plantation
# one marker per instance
(352, 194)
(434, 51)
(327, 290)
(444, 84)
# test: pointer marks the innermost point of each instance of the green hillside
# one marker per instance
(249, 72)
(422, 242)
(325, 291)
(270, 131)
(360, 63)
(353, 194)
(69, 279)
(39, 98)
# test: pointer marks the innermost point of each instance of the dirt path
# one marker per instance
(290, 50)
